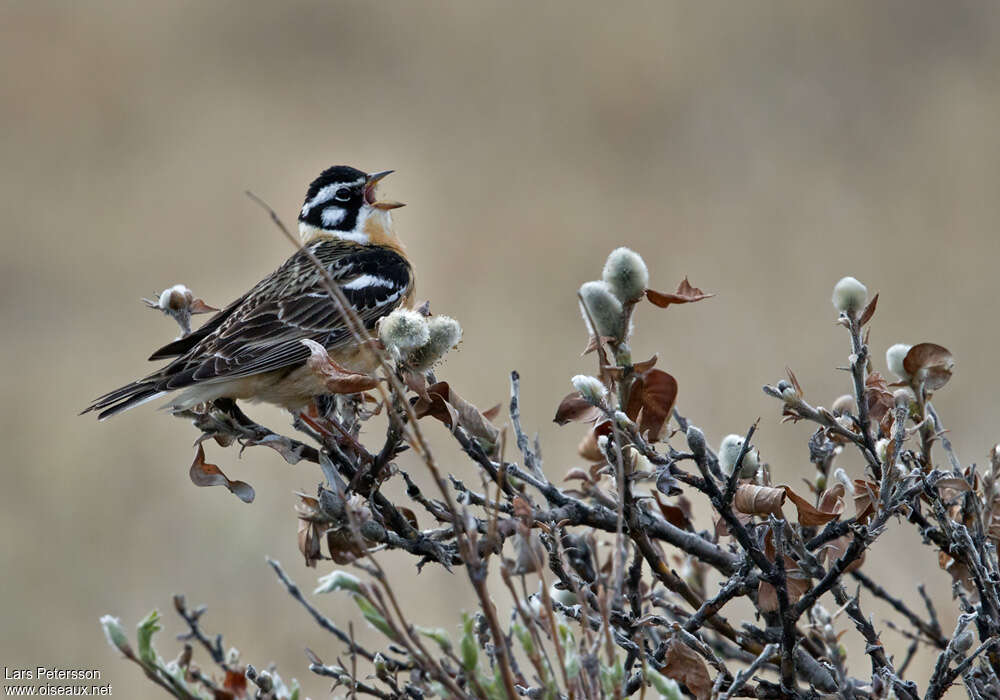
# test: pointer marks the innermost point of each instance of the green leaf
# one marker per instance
(469, 649)
(149, 626)
(374, 617)
(666, 687)
(612, 677)
(338, 581)
(439, 636)
(571, 660)
(524, 637)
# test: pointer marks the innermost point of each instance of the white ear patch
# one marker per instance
(327, 193)
(332, 216)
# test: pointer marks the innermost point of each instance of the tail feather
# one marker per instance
(126, 397)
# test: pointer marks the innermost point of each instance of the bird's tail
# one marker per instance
(126, 397)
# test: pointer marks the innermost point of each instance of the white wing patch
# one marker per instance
(363, 281)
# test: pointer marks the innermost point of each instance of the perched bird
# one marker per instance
(253, 348)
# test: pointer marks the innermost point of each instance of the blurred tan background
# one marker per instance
(763, 149)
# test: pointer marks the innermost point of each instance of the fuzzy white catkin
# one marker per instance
(175, 298)
(849, 295)
(882, 449)
(114, 632)
(604, 308)
(626, 274)
(840, 475)
(444, 333)
(729, 452)
(404, 329)
(894, 357)
(563, 596)
(590, 388)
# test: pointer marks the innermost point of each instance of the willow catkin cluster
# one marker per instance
(623, 281)
(417, 341)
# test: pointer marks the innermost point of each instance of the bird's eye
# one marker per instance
(343, 194)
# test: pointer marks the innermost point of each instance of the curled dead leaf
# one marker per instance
(645, 366)
(204, 474)
(868, 312)
(667, 484)
(200, 307)
(685, 294)
(491, 413)
(797, 582)
(950, 488)
(880, 400)
(588, 447)
(794, 380)
(677, 515)
(444, 404)
(811, 516)
(337, 379)
(576, 408)
(929, 364)
(759, 500)
(722, 527)
(659, 392)
(235, 683)
(683, 664)
(835, 549)
(865, 498)
(959, 574)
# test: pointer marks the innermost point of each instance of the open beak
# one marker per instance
(372, 181)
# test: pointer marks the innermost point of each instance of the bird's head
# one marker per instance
(341, 202)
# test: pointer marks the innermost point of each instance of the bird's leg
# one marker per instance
(229, 408)
(315, 421)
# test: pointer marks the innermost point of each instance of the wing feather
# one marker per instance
(262, 332)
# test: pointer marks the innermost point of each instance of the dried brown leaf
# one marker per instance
(865, 498)
(200, 307)
(869, 311)
(416, 382)
(588, 448)
(832, 500)
(930, 364)
(759, 500)
(337, 379)
(685, 294)
(235, 682)
(950, 488)
(675, 515)
(491, 413)
(880, 399)
(645, 366)
(659, 392)
(797, 583)
(684, 665)
(204, 474)
(722, 527)
(808, 514)
(451, 409)
(577, 473)
(835, 549)
(575, 408)
(794, 380)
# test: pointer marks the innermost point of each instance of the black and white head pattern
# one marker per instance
(335, 202)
